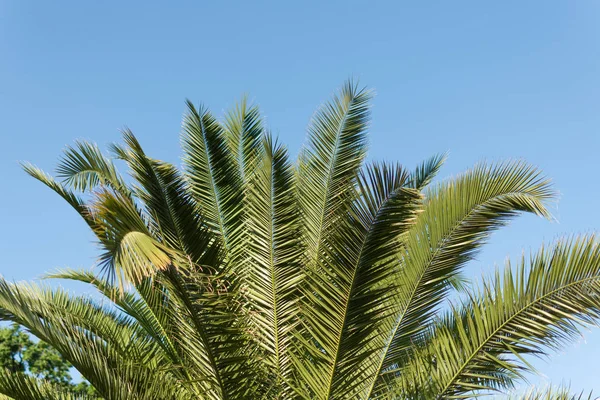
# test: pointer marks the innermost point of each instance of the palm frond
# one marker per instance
(71, 198)
(174, 216)
(534, 309)
(84, 167)
(273, 256)
(214, 181)
(110, 351)
(551, 393)
(327, 172)
(243, 130)
(458, 218)
(385, 210)
(426, 171)
(130, 249)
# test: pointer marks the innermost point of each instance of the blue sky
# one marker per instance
(481, 80)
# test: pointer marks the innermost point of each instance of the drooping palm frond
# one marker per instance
(149, 306)
(528, 311)
(84, 167)
(111, 351)
(458, 217)
(170, 314)
(71, 198)
(130, 248)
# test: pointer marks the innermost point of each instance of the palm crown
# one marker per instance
(244, 276)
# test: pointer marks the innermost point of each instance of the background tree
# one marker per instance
(20, 354)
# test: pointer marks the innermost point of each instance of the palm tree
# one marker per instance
(244, 276)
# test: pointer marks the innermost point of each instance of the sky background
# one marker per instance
(481, 80)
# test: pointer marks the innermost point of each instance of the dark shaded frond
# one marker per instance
(214, 181)
(426, 171)
(83, 167)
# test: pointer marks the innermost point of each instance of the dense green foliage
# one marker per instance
(244, 275)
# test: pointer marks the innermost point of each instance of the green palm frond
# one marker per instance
(131, 250)
(84, 167)
(327, 171)
(426, 171)
(329, 163)
(148, 305)
(386, 209)
(273, 256)
(71, 198)
(458, 217)
(210, 170)
(244, 131)
(108, 349)
(528, 311)
(173, 215)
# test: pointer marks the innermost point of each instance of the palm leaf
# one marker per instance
(385, 210)
(273, 256)
(84, 167)
(210, 170)
(457, 220)
(551, 393)
(108, 350)
(327, 172)
(426, 171)
(243, 130)
(529, 311)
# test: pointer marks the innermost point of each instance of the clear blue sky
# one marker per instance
(482, 80)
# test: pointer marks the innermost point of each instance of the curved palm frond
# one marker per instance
(425, 172)
(458, 217)
(106, 348)
(71, 198)
(327, 171)
(385, 211)
(529, 311)
(84, 167)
